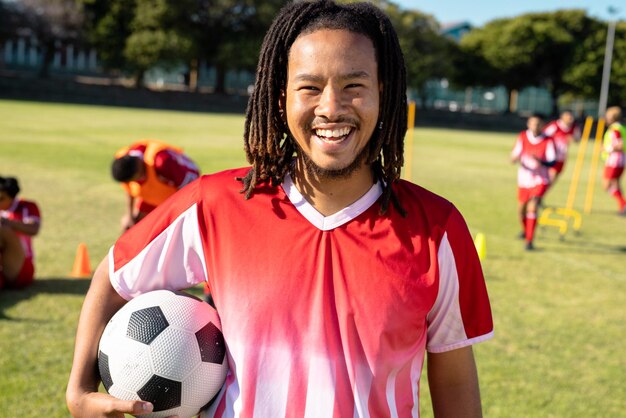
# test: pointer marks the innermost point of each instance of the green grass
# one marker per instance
(559, 311)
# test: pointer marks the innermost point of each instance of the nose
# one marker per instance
(330, 105)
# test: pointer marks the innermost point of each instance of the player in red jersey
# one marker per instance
(535, 152)
(19, 223)
(563, 130)
(150, 171)
(613, 155)
(332, 276)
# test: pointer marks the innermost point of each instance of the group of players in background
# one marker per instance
(150, 171)
(541, 151)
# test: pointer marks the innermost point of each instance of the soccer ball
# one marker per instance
(167, 348)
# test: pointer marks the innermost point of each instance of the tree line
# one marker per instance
(562, 51)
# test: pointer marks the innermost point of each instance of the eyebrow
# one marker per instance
(349, 76)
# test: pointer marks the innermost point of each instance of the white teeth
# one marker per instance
(330, 133)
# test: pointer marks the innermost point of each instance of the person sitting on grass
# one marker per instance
(19, 223)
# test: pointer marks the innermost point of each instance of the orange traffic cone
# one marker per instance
(82, 266)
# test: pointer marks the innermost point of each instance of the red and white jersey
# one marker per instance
(528, 148)
(613, 145)
(562, 135)
(323, 316)
(26, 212)
(173, 168)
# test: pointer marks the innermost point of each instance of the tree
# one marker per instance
(9, 18)
(134, 35)
(228, 33)
(566, 31)
(426, 52)
(158, 36)
(469, 68)
(504, 47)
(108, 26)
(535, 49)
(585, 74)
(52, 21)
(617, 87)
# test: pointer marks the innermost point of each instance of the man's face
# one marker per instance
(5, 201)
(567, 118)
(332, 99)
(535, 125)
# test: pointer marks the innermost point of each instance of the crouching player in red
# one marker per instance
(150, 171)
(19, 223)
(535, 153)
(613, 155)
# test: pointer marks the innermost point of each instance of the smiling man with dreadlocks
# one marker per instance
(331, 275)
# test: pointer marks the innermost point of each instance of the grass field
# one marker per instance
(559, 311)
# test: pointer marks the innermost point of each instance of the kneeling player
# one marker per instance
(19, 223)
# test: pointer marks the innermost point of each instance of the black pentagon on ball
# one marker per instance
(162, 392)
(103, 368)
(146, 324)
(211, 343)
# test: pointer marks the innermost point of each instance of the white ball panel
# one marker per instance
(115, 330)
(183, 312)
(205, 382)
(130, 364)
(121, 393)
(175, 353)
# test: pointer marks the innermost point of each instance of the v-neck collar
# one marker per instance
(326, 223)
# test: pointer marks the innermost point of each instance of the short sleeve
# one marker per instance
(461, 314)
(163, 251)
(31, 213)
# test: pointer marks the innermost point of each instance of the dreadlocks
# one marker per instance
(268, 144)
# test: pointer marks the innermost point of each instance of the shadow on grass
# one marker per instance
(49, 286)
(55, 286)
(579, 244)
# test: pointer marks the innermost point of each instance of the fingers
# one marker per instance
(132, 407)
(114, 405)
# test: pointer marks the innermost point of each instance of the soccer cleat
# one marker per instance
(522, 235)
(529, 246)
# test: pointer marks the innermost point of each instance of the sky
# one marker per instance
(479, 12)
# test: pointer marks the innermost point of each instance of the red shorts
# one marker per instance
(25, 277)
(524, 194)
(558, 167)
(611, 173)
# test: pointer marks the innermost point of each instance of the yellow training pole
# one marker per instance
(597, 147)
(571, 196)
(408, 151)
